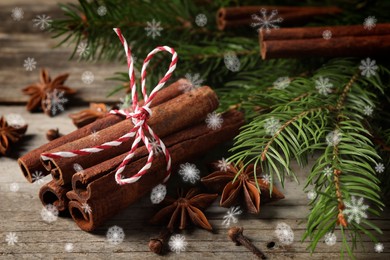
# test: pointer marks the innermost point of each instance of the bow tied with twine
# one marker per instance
(139, 117)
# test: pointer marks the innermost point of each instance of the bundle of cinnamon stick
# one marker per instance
(177, 118)
(352, 40)
(233, 17)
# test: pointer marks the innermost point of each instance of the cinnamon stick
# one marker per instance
(231, 17)
(89, 115)
(171, 116)
(81, 181)
(316, 32)
(366, 46)
(30, 162)
(52, 193)
(111, 198)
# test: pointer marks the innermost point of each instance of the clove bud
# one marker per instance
(156, 245)
(236, 235)
(52, 134)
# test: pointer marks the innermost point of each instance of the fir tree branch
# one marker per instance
(282, 128)
(307, 117)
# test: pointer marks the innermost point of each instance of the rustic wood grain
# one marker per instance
(20, 40)
(20, 213)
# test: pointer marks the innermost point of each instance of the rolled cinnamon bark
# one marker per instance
(89, 115)
(169, 117)
(316, 32)
(81, 181)
(30, 162)
(334, 47)
(230, 17)
(110, 197)
(52, 193)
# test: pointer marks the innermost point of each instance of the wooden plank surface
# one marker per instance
(20, 40)
(20, 213)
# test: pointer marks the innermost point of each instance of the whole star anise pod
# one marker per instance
(243, 190)
(39, 91)
(184, 208)
(87, 116)
(9, 135)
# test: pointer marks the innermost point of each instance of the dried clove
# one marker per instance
(156, 245)
(52, 134)
(235, 234)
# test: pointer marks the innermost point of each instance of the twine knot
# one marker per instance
(141, 114)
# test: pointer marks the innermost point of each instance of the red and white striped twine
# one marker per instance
(139, 118)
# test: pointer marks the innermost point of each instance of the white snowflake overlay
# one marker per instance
(55, 101)
(153, 29)
(311, 195)
(323, 86)
(281, 83)
(14, 187)
(272, 125)
(266, 178)
(95, 135)
(29, 64)
(327, 171)
(37, 177)
(15, 120)
(265, 22)
(87, 77)
(42, 21)
(214, 120)
(327, 34)
(379, 247)
(232, 62)
(136, 71)
(49, 213)
(102, 10)
(11, 238)
(83, 49)
(125, 102)
(201, 20)
(195, 81)
(355, 209)
(69, 247)
(155, 146)
(231, 216)
(177, 243)
(284, 233)
(379, 168)
(333, 138)
(86, 208)
(77, 167)
(223, 165)
(158, 194)
(330, 239)
(367, 110)
(115, 235)
(17, 14)
(368, 67)
(189, 172)
(370, 22)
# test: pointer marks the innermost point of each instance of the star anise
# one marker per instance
(243, 190)
(39, 91)
(87, 116)
(184, 208)
(9, 135)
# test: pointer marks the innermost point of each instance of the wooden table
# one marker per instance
(20, 210)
